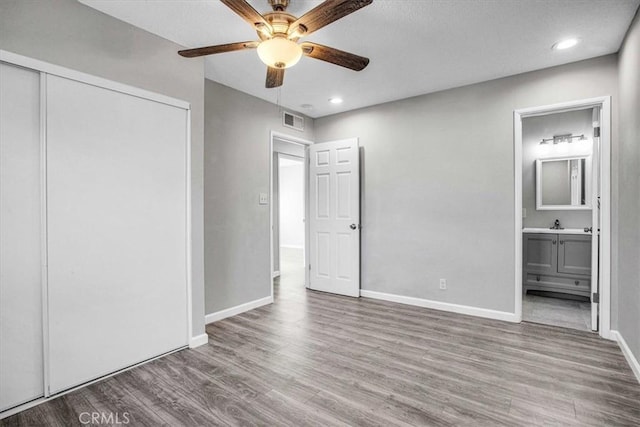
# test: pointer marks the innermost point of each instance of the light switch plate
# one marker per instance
(264, 199)
(524, 212)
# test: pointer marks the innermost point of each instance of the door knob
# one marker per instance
(353, 226)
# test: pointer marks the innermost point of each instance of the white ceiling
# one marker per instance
(415, 46)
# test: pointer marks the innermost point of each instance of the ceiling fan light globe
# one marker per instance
(279, 52)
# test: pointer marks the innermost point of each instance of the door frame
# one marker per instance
(604, 102)
(306, 143)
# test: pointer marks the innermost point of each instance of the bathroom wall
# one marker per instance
(534, 129)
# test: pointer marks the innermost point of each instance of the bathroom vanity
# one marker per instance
(557, 260)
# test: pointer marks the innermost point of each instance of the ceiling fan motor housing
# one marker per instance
(280, 22)
(279, 5)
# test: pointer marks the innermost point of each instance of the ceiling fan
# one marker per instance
(279, 32)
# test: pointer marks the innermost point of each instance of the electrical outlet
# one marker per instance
(443, 284)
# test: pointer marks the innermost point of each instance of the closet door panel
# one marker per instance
(117, 230)
(21, 348)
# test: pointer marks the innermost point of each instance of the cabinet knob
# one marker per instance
(577, 282)
(562, 242)
(553, 241)
(537, 278)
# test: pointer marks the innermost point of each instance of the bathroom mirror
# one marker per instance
(563, 183)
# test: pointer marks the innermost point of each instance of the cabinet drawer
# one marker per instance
(559, 283)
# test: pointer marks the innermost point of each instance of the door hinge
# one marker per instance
(595, 297)
(596, 132)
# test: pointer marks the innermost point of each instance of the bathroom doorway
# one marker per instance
(562, 215)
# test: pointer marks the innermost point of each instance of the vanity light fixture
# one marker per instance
(559, 139)
(565, 44)
(335, 100)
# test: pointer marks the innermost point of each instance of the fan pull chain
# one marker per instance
(278, 99)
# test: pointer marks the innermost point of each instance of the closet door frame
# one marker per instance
(46, 69)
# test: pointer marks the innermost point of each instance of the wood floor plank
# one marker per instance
(315, 359)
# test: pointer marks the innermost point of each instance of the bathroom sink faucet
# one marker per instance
(556, 225)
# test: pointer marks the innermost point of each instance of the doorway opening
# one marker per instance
(289, 215)
(562, 163)
(289, 207)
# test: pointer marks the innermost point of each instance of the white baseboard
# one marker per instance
(276, 274)
(223, 314)
(444, 306)
(292, 246)
(198, 340)
(631, 359)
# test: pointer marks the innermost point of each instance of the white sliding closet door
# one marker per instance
(21, 360)
(117, 182)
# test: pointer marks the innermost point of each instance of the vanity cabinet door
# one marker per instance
(541, 253)
(574, 255)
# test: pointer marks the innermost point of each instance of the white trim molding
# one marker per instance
(198, 340)
(228, 312)
(631, 358)
(442, 306)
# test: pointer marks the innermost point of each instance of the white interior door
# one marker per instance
(334, 220)
(21, 350)
(595, 220)
(117, 203)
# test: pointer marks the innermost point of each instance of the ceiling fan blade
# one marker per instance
(249, 14)
(325, 14)
(335, 56)
(220, 48)
(275, 77)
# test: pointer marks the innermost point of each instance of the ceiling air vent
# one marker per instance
(292, 121)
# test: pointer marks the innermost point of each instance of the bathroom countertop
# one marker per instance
(554, 231)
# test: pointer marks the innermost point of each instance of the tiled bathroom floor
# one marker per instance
(556, 311)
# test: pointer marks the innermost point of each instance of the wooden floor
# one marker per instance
(318, 359)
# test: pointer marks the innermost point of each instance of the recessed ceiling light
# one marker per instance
(565, 44)
(335, 100)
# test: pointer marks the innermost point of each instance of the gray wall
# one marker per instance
(438, 195)
(236, 170)
(70, 34)
(533, 130)
(628, 260)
